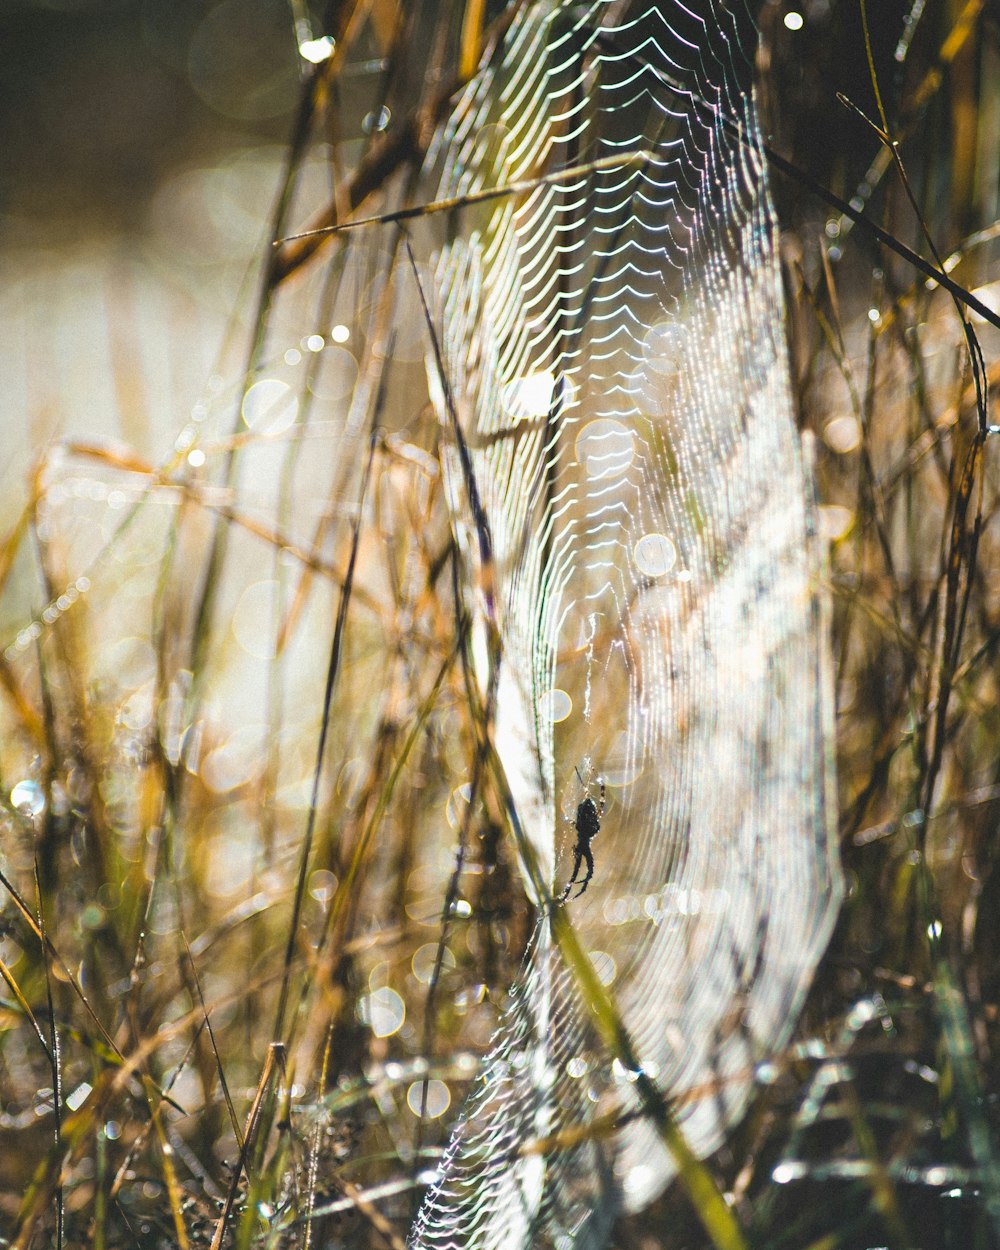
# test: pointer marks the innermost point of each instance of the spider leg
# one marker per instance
(589, 856)
(578, 854)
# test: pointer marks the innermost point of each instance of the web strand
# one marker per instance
(614, 344)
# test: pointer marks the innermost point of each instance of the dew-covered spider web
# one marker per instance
(638, 531)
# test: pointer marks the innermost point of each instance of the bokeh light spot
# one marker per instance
(655, 555)
(605, 447)
(253, 619)
(270, 406)
(424, 959)
(531, 396)
(28, 797)
(317, 50)
(383, 1010)
(842, 434)
(555, 705)
(434, 1103)
(241, 62)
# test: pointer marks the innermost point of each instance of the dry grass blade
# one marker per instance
(32, 923)
(223, 1083)
(174, 1194)
(55, 1056)
(25, 1006)
(405, 146)
(333, 669)
(273, 1070)
(522, 187)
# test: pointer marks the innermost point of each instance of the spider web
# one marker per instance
(611, 349)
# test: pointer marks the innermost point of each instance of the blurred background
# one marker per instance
(142, 146)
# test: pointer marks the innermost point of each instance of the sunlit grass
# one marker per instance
(255, 937)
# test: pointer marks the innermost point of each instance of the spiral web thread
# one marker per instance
(613, 341)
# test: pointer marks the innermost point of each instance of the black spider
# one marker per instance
(588, 825)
